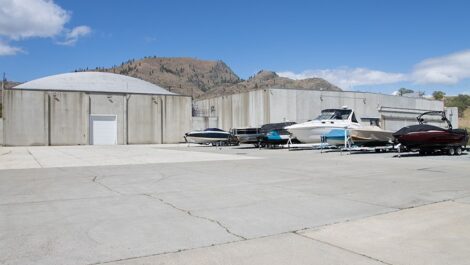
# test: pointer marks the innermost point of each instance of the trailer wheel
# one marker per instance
(451, 151)
(458, 150)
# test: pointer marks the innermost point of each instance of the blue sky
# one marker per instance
(359, 45)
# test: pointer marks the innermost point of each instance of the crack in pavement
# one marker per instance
(188, 212)
(429, 169)
(426, 204)
(95, 180)
(9, 152)
(162, 253)
(35, 159)
(342, 248)
(295, 232)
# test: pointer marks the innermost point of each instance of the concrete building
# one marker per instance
(93, 108)
(255, 108)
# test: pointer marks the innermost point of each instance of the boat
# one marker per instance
(329, 119)
(247, 135)
(275, 134)
(336, 137)
(208, 136)
(428, 139)
(370, 136)
(365, 136)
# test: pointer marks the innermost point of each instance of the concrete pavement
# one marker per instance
(84, 156)
(232, 205)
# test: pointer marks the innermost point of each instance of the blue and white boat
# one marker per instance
(329, 119)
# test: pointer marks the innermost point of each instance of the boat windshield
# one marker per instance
(214, 129)
(334, 114)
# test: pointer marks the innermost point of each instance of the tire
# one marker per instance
(451, 151)
(458, 150)
(422, 152)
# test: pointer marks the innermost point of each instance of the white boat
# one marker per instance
(329, 119)
(208, 136)
(370, 136)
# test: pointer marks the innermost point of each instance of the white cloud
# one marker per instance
(6, 49)
(71, 37)
(349, 77)
(447, 70)
(21, 19)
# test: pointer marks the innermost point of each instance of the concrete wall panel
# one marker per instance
(240, 111)
(201, 123)
(68, 118)
(225, 105)
(145, 121)
(177, 118)
(1, 131)
(282, 105)
(259, 108)
(25, 117)
(308, 105)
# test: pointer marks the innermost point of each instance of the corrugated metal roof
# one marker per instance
(94, 82)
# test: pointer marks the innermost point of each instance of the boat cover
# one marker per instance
(417, 128)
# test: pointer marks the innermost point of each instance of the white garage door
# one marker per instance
(103, 129)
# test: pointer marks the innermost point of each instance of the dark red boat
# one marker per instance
(429, 138)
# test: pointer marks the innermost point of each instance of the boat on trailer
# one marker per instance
(209, 136)
(427, 139)
(329, 119)
(370, 136)
(366, 136)
(275, 134)
(247, 135)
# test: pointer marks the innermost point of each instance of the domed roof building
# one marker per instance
(93, 108)
(94, 82)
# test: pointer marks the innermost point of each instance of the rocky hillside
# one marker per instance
(265, 79)
(186, 76)
(203, 79)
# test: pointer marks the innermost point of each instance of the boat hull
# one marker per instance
(371, 136)
(425, 137)
(433, 139)
(312, 134)
(329, 119)
(336, 137)
(203, 140)
(206, 138)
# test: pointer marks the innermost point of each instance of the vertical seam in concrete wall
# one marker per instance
(88, 123)
(3, 115)
(161, 118)
(48, 119)
(127, 97)
(268, 106)
(231, 112)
